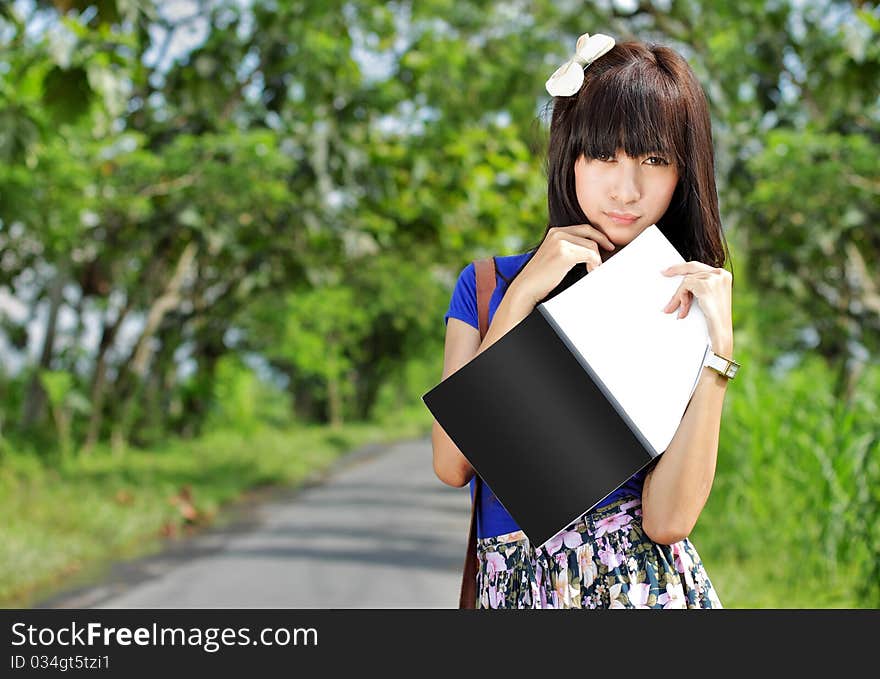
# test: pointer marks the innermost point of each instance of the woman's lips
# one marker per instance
(621, 220)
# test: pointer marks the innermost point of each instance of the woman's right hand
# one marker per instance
(562, 248)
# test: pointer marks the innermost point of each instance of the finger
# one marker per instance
(688, 267)
(593, 262)
(583, 242)
(672, 304)
(678, 298)
(685, 268)
(581, 250)
(686, 306)
(590, 232)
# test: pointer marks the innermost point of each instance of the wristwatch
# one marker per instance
(726, 367)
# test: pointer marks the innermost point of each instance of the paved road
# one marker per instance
(380, 531)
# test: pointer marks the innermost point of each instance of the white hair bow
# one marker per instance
(568, 78)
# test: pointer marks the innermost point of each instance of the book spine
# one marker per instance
(548, 317)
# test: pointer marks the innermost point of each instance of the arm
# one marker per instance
(462, 345)
(676, 490)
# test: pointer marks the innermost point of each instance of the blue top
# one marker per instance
(492, 518)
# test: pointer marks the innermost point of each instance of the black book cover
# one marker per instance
(538, 425)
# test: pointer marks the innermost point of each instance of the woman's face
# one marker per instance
(638, 186)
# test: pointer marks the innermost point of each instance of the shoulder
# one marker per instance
(467, 279)
(463, 303)
(505, 265)
(509, 265)
(513, 260)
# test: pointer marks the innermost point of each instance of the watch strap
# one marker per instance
(726, 367)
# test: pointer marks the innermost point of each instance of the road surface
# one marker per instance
(379, 530)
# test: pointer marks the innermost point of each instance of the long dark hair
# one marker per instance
(646, 99)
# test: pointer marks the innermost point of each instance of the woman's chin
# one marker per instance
(622, 234)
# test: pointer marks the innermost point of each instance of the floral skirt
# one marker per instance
(602, 560)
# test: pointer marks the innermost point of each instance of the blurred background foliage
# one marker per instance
(234, 215)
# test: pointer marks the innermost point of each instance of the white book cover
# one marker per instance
(650, 361)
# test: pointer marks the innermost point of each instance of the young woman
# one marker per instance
(630, 145)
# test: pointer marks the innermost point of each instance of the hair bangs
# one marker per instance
(637, 112)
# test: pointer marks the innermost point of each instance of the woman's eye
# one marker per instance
(658, 160)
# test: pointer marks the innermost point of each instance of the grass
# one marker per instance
(763, 584)
(793, 520)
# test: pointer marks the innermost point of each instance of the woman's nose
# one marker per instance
(625, 186)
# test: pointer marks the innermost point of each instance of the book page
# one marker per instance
(649, 360)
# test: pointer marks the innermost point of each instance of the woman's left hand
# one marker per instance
(712, 287)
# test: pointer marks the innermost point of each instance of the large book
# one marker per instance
(582, 393)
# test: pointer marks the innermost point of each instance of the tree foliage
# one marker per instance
(299, 183)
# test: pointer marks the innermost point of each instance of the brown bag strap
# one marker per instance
(486, 281)
(485, 272)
